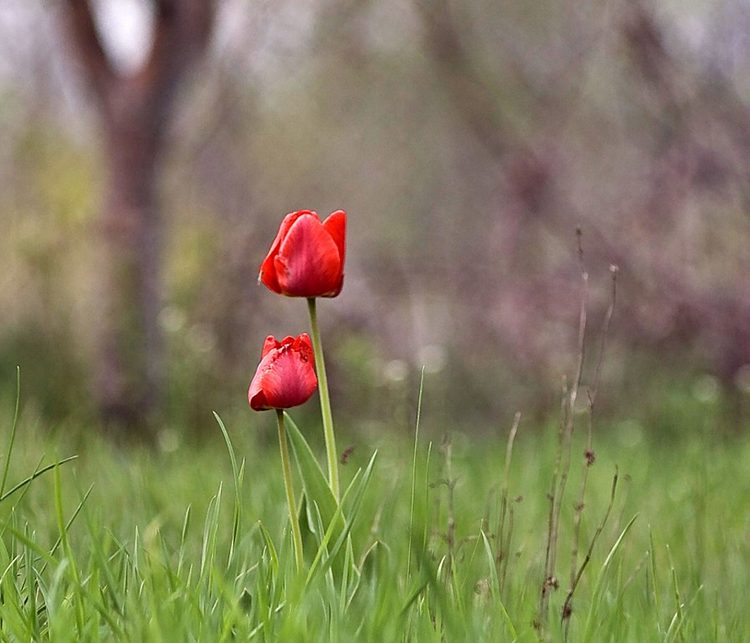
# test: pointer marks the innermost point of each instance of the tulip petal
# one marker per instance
(257, 399)
(303, 344)
(255, 394)
(267, 269)
(335, 225)
(269, 345)
(308, 262)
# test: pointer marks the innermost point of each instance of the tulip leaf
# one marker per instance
(334, 526)
(313, 479)
(309, 538)
(356, 491)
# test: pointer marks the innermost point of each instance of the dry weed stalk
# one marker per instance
(589, 456)
(563, 460)
(504, 534)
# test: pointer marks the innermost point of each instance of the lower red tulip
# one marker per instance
(285, 376)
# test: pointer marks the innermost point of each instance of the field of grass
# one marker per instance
(174, 545)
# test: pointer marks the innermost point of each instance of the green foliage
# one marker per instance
(194, 544)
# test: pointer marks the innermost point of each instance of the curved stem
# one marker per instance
(325, 401)
(291, 502)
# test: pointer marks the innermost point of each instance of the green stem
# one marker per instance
(291, 502)
(325, 400)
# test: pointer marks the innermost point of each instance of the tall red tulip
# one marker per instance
(285, 376)
(306, 258)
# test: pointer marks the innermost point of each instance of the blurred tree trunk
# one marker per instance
(135, 111)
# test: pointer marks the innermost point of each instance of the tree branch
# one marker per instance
(91, 54)
(181, 33)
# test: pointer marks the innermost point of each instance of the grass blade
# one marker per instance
(495, 587)
(236, 475)
(598, 587)
(35, 475)
(414, 474)
(11, 442)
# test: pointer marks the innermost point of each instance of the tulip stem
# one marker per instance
(291, 502)
(325, 400)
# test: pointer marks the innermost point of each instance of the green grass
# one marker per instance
(184, 545)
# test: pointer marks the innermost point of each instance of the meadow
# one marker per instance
(191, 543)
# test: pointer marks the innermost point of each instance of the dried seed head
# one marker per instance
(346, 454)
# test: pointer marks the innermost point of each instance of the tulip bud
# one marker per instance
(285, 376)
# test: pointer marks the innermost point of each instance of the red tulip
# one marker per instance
(285, 376)
(306, 258)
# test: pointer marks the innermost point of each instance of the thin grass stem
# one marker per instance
(414, 475)
(503, 536)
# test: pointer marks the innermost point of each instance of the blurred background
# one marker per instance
(150, 149)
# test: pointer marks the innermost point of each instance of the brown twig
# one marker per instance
(567, 609)
(550, 581)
